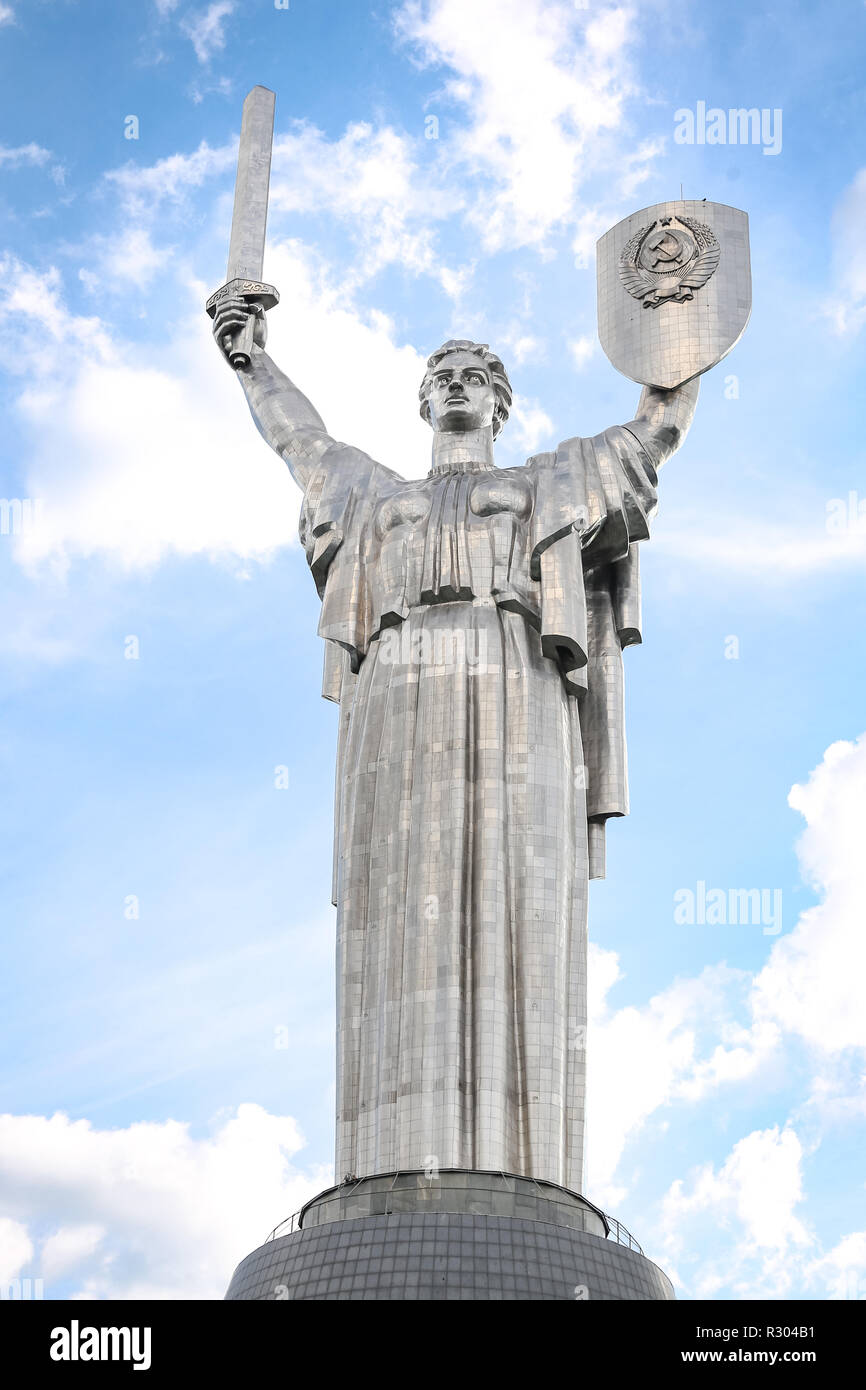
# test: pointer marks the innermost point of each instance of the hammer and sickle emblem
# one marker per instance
(665, 247)
(662, 262)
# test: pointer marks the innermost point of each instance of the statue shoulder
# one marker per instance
(539, 462)
(584, 453)
(567, 453)
(345, 465)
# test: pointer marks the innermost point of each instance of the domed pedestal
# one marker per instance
(451, 1235)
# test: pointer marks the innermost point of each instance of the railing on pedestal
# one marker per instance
(616, 1231)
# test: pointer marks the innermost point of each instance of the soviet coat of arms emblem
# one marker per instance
(687, 262)
(669, 259)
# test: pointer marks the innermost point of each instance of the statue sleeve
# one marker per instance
(663, 420)
(594, 500)
(337, 532)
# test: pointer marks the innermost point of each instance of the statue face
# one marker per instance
(462, 396)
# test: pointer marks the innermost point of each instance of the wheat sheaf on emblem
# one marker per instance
(669, 259)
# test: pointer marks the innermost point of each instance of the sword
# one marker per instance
(249, 220)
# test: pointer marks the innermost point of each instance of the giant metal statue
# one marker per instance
(474, 622)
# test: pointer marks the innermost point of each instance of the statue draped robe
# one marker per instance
(474, 623)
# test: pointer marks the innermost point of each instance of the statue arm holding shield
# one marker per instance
(663, 419)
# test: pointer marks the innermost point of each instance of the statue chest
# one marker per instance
(455, 536)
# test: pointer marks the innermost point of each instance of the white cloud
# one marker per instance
(636, 166)
(812, 982)
(68, 1249)
(7, 14)
(369, 178)
(514, 167)
(56, 336)
(582, 349)
(147, 1211)
(753, 1198)
(532, 425)
(206, 29)
(129, 257)
(140, 452)
(720, 1028)
(777, 552)
(736, 1057)
(531, 141)
(590, 224)
(641, 1059)
(31, 155)
(736, 1231)
(143, 190)
(837, 1094)
(841, 1273)
(761, 1180)
(846, 306)
(16, 1249)
(521, 346)
(222, 86)
(13, 157)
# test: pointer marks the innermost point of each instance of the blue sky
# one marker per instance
(166, 1088)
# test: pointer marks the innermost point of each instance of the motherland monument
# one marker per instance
(474, 623)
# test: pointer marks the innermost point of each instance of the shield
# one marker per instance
(674, 290)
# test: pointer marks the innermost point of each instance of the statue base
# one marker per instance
(454, 1235)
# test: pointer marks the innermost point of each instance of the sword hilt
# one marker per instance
(240, 349)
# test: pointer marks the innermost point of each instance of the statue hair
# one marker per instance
(501, 384)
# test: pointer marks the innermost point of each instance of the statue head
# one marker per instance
(465, 387)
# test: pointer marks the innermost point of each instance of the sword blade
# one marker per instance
(250, 216)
